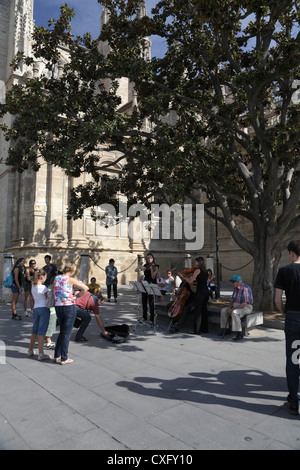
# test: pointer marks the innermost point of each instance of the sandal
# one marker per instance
(43, 357)
(68, 361)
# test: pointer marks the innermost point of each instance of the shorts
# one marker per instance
(15, 289)
(41, 316)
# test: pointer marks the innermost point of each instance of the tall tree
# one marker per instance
(229, 81)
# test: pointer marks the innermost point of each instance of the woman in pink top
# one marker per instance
(65, 306)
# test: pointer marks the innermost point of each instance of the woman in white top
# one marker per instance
(65, 306)
(41, 314)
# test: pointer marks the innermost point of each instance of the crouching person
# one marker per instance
(240, 304)
(84, 304)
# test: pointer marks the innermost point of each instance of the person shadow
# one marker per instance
(251, 390)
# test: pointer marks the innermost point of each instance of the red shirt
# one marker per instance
(88, 301)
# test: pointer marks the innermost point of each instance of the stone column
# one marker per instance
(7, 267)
(187, 261)
(84, 267)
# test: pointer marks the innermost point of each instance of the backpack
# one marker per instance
(8, 282)
(117, 333)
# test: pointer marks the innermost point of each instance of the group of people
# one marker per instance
(57, 297)
(111, 272)
(201, 282)
(39, 283)
(287, 283)
(23, 279)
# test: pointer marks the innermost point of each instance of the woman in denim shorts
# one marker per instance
(41, 314)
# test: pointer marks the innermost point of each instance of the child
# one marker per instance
(52, 326)
(41, 314)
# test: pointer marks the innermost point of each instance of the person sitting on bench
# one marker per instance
(240, 304)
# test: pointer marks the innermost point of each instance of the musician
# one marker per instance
(200, 298)
(150, 275)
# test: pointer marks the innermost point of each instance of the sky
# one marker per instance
(87, 17)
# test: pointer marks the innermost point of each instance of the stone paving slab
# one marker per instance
(155, 392)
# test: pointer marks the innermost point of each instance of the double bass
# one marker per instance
(184, 293)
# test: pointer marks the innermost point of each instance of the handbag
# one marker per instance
(8, 282)
(50, 302)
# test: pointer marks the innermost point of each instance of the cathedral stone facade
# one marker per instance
(33, 205)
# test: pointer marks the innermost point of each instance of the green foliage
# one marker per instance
(229, 73)
(227, 80)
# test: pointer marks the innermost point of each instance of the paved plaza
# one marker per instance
(157, 391)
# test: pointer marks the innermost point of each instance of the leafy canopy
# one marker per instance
(215, 112)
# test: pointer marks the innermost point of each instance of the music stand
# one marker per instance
(152, 289)
(138, 287)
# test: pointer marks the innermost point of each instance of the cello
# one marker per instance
(184, 293)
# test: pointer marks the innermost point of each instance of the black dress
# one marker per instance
(200, 304)
(148, 298)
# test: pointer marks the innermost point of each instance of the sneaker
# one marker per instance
(30, 352)
(50, 345)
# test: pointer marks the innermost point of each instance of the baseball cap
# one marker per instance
(235, 278)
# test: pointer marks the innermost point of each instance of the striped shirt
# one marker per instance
(242, 293)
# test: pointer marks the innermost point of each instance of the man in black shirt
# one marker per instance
(288, 281)
(50, 269)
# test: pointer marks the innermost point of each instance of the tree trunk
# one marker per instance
(266, 260)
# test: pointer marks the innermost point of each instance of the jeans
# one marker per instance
(292, 343)
(66, 315)
(86, 318)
